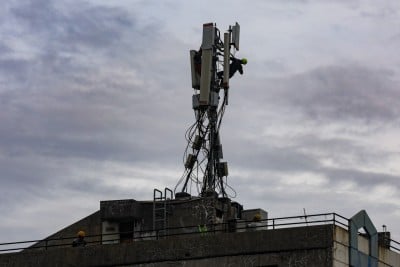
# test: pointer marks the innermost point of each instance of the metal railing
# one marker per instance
(234, 226)
(394, 245)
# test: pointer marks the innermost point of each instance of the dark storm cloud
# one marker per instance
(342, 150)
(365, 180)
(67, 99)
(328, 185)
(306, 155)
(39, 14)
(343, 93)
(79, 124)
(81, 24)
(58, 38)
(339, 93)
(15, 68)
(18, 176)
(267, 157)
(345, 96)
(68, 41)
(62, 105)
(292, 162)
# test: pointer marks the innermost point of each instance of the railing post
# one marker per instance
(273, 224)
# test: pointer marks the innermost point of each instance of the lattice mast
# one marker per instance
(204, 168)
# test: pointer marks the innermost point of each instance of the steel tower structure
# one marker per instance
(203, 158)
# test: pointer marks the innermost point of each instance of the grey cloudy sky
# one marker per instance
(96, 96)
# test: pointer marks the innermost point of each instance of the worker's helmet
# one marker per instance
(244, 61)
(257, 217)
(81, 234)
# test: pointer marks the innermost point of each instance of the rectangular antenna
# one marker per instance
(236, 35)
(206, 62)
(208, 36)
(195, 74)
(205, 79)
(227, 54)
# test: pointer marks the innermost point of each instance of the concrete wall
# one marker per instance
(296, 247)
(341, 250)
(180, 214)
(388, 258)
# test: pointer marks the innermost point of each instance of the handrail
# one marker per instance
(271, 223)
(397, 248)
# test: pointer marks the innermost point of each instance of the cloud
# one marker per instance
(66, 101)
(337, 93)
(96, 97)
(76, 25)
(320, 134)
(74, 102)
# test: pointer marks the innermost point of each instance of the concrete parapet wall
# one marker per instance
(388, 258)
(303, 246)
(341, 250)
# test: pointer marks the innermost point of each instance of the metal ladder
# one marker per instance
(160, 211)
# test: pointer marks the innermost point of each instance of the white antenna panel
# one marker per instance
(236, 35)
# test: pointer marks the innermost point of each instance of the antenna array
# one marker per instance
(205, 169)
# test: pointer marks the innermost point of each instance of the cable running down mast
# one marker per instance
(211, 68)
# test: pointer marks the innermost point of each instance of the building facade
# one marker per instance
(209, 232)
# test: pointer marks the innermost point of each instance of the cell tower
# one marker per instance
(205, 169)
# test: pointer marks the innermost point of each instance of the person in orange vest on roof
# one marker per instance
(80, 240)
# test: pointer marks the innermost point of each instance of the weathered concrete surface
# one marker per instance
(292, 258)
(303, 246)
(341, 250)
(388, 258)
